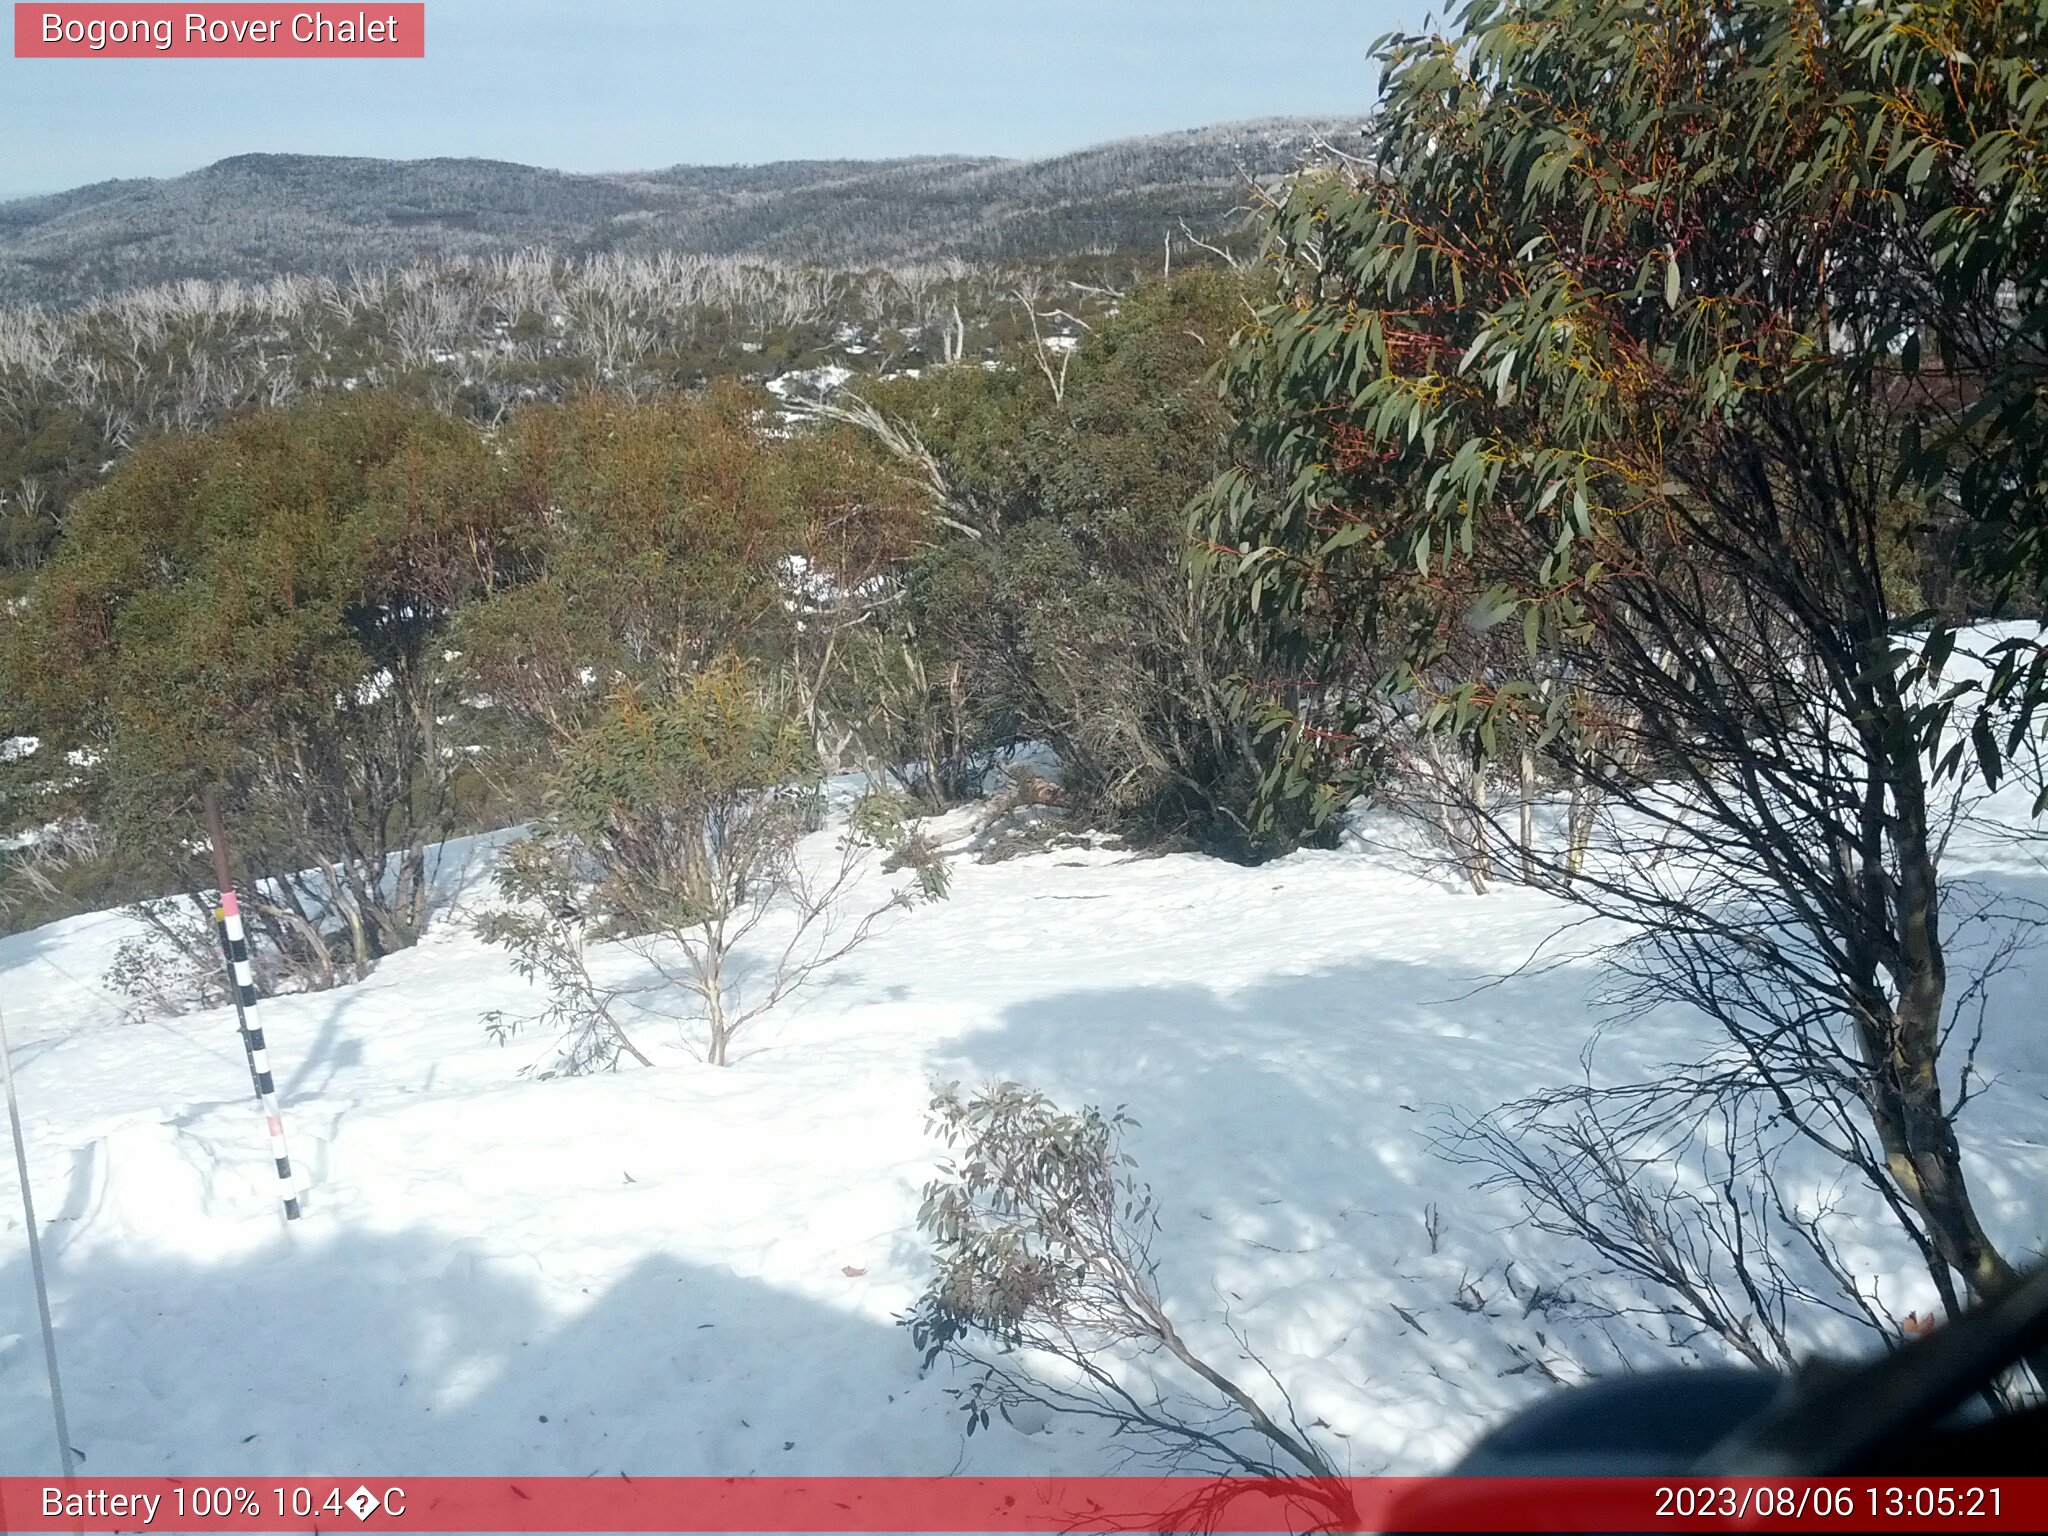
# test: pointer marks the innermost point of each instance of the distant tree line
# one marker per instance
(371, 622)
(80, 387)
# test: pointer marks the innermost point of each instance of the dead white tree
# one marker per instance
(1044, 351)
(903, 444)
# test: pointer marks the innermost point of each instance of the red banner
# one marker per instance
(953, 1504)
(266, 31)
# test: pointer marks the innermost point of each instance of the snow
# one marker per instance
(810, 383)
(809, 589)
(691, 1270)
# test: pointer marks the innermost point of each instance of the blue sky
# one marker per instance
(623, 84)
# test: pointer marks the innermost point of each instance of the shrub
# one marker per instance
(883, 817)
(174, 968)
(688, 814)
(1042, 1238)
(263, 609)
(1071, 617)
(544, 926)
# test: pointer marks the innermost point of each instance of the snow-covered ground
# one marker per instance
(695, 1270)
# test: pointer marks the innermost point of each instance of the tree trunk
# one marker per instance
(1905, 1095)
(712, 983)
(318, 958)
(1528, 815)
(1585, 800)
(1918, 1136)
(1482, 861)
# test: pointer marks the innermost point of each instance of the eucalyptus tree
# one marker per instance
(263, 610)
(1693, 344)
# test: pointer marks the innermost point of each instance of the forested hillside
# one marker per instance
(254, 216)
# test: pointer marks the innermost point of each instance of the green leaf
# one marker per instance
(1985, 740)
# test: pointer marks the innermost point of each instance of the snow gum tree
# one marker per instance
(1053, 602)
(261, 609)
(687, 813)
(1652, 334)
(665, 537)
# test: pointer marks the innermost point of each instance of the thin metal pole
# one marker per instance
(35, 1253)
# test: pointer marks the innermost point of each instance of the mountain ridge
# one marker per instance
(256, 214)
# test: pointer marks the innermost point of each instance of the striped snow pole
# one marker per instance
(227, 955)
(242, 980)
(227, 958)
